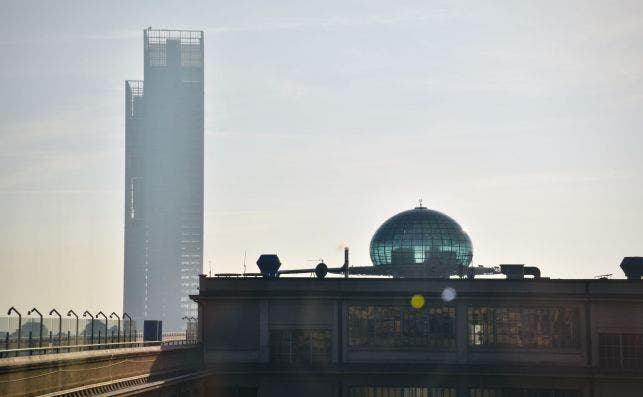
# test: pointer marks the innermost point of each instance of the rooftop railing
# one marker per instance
(54, 349)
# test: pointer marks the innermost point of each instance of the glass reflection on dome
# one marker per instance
(420, 236)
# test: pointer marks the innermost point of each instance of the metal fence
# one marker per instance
(36, 334)
(51, 349)
(30, 332)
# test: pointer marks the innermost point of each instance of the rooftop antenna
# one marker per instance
(420, 203)
(210, 265)
(244, 261)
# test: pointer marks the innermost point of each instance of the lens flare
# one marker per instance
(448, 294)
(417, 301)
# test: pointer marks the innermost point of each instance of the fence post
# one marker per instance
(13, 309)
(6, 342)
(99, 338)
(69, 313)
(40, 315)
(92, 323)
(103, 314)
(68, 341)
(30, 351)
(60, 326)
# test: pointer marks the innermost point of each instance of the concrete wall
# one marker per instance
(235, 331)
(35, 375)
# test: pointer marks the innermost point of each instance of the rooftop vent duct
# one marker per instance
(269, 265)
(518, 272)
(632, 267)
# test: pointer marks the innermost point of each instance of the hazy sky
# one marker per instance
(521, 120)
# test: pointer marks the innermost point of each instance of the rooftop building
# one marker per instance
(408, 337)
(427, 327)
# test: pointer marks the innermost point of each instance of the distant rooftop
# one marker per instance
(173, 34)
(189, 43)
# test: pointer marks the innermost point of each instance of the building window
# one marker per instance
(620, 351)
(300, 346)
(395, 326)
(523, 393)
(551, 327)
(378, 391)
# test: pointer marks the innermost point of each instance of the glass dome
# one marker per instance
(420, 236)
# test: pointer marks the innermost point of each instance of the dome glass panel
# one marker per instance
(420, 236)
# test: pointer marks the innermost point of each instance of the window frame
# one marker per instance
(309, 333)
(621, 358)
(494, 345)
(402, 345)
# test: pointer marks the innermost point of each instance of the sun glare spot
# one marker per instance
(417, 301)
(448, 294)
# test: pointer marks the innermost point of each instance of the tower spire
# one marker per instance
(420, 206)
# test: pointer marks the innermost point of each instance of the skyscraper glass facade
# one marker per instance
(164, 179)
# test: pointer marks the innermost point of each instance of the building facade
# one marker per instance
(377, 337)
(164, 179)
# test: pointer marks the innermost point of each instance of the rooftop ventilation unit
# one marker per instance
(518, 272)
(632, 267)
(269, 265)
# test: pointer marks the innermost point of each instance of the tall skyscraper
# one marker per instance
(164, 179)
